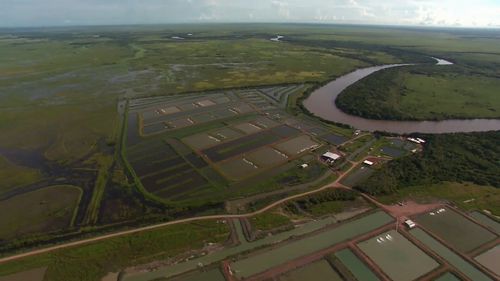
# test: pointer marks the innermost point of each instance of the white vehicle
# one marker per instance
(410, 224)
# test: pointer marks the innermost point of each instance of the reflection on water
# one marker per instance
(442, 61)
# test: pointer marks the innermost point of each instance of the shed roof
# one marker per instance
(331, 155)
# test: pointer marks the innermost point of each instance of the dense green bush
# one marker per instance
(310, 202)
(470, 157)
(391, 94)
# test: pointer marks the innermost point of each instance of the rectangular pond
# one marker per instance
(320, 269)
(356, 266)
(266, 260)
(357, 176)
(487, 221)
(238, 168)
(491, 259)
(335, 139)
(399, 258)
(266, 157)
(297, 145)
(455, 260)
(458, 231)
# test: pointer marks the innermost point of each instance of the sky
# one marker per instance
(460, 13)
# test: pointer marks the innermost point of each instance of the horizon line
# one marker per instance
(250, 23)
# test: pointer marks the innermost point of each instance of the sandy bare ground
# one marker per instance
(410, 208)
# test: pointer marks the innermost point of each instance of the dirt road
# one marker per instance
(150, 227)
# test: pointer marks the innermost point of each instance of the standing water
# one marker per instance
(321, 103)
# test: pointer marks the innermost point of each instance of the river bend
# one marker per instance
(321, 103)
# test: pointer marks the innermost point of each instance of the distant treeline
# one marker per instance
(405, 55)
(472, 157)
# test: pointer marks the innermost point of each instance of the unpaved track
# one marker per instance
(150, 227)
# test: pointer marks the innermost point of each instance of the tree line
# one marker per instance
(471, 157)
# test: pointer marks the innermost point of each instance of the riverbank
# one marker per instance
(321, 103)
(423, 93)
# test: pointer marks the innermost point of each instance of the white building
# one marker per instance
(367, 162)
(330, 156)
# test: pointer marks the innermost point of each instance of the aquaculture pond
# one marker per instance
(455, 260)
(397, 256)
(455, 229)
(357, 268)
(261, 262)
(320, 269)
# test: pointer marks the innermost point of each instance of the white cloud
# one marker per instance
(409, 12)
(282, 8)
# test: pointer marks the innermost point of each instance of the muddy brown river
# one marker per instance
(321, 103)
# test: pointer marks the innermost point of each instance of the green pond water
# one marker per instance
(358, 269)
(269, 259)
(448, 276)
(455, 260)
(211, 275)
(169, 271)
(489, 222)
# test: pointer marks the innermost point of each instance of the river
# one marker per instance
(321, 103)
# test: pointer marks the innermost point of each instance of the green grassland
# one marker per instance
(53, 75)
(424, 93)
(460, 96)
(12, 175)
(65, 133)
(59, 92)
(104, 163)
(470, 47)
(91, 262)
(59, 89)
(269, 220)
(467, 196)
(215, 64)
(468, 88)
(45, 210)
(326, 208)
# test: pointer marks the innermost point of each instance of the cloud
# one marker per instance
(281, 8)
(408, 12)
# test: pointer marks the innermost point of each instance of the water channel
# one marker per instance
(321, 103)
